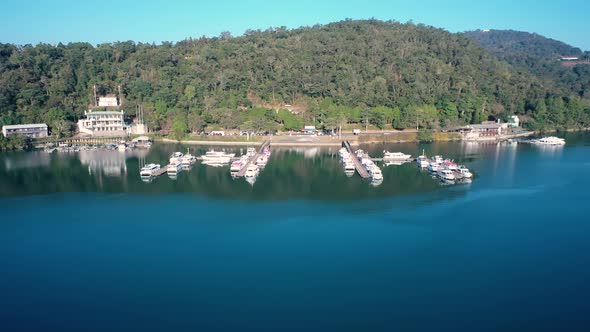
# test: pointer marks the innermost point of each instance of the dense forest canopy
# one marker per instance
(539, 55)
(388, 74)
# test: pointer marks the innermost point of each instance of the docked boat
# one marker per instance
(149, 170)
(262, 160)
(437, 159)
(464, 171)
(236, 166)
(174, 168)
(251, 152)
(395, 156)
(422, 160)
(375, 173)
(252, 171)
(217, 156)
(433, 167)
(188, 160)
(349, 167)
(450, 165)
(122, 147)
(176, 157)
(446, 174)
(551, 140)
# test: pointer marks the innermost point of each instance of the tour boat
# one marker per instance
(395, 156)
(174, 168)
(251, 152)
(149, 169)
(446, 174)
(551, 140)
(236, 166)
(251, 171)
(376, 173)
(121, 147)
(176, 157)
(422, 160)
(262, 160)
(188, 160)
(437, 159)
(349, 167)
(218, 156)
(464, 171)
(433, 167)
(449, 164)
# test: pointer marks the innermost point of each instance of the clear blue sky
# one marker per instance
(30, 21)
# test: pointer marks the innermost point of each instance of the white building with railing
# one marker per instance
(103, 123)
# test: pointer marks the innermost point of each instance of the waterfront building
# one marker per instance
(34, 130)
(514, 121)
(103, 123)
(485, 129)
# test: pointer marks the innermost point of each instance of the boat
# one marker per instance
(262, 160)
(375, 173)
(550, 140)
(437, 159)
(188, 160)
(251, 152)
(395, 156)
(236, 166)
(251, 171)
(176, 157)
(349, 167)
(464, 171)
(149, 170)
(449, 164)
(446, 174)
(174, 168)
(422, 160)
(121, 147)
(266, 151)
(376, 182)
(217, 156)
(433, 167)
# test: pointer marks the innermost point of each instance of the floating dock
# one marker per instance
(252, 159)
(360, 169)
(160, 171)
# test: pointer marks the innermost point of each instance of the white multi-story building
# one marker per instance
(34, 130)
(103, 123)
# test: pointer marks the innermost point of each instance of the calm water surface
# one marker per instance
(86, 245)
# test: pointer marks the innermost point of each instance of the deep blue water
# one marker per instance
(508, 252)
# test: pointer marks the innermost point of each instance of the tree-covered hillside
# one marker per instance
(539, 55)
(385, 73)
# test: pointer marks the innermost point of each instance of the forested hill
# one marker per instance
(537, 54)
(387, 73)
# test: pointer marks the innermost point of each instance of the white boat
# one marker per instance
(188, 160)
(464, 171)
(376, 173)
(251, 152)
(176, 157)
(395, 156)
(149, 170)
(236, 166)
(422, 160)
(376, 182)
(174, 168)
(262, 160)
(349, 167)
(551, 140)
(437, 159)
(121, 147)
(446, 174)
(433, 166)
(218, 156)
(251, 171)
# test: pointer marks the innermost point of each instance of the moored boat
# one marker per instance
(395, 156)
(149, 170)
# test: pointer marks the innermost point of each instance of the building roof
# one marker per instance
(25, 126)
(486, 125)
(103, 112)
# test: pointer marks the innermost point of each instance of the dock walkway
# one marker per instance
(252, 159)
(360, 169)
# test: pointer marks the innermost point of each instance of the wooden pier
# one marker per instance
(360, 169)
(252, 159)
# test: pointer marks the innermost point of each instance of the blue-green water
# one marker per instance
(84, 246)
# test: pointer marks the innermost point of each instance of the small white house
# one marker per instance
(514, 121)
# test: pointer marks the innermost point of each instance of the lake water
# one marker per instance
(86, 245)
